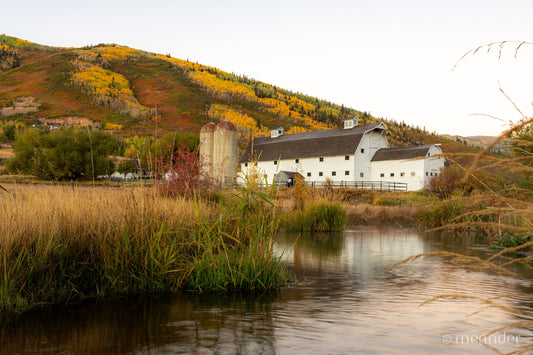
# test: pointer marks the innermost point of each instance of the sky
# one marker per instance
(394, 59)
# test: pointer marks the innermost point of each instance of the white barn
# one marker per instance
(355, 155)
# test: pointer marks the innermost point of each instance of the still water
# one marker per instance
(344, 300)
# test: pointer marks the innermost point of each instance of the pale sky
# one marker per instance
(391, 58)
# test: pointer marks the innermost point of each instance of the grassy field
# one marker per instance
(64, 243)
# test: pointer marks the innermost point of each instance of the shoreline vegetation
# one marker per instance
(68, 242)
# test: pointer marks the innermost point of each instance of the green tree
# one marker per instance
(68, 154)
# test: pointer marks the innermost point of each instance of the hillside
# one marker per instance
(133, 92)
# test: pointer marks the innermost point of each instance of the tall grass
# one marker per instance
(242, 255)
(495, 200)
(61, 243)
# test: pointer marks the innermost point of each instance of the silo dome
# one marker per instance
(210, 127)
(226, 125)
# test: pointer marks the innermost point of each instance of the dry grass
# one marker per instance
(52, 210)
(6, 151)
(381, 215)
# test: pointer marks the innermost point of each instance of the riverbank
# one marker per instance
(371, 215)
(365, 207)
(64, 243)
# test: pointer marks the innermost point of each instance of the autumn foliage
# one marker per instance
(109, 89)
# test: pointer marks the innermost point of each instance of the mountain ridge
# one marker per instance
(133, 92)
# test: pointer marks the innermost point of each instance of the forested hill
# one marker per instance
(134, 93)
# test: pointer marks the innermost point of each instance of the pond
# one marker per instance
(344, 300)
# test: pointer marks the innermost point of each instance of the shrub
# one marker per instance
(317, 216)
(182, 174)
(441, 214)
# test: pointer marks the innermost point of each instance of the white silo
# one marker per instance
(206, 149)
(225, 152)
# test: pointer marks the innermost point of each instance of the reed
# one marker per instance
(60, 244)
(237, 250)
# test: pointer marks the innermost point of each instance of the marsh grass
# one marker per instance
(243, 256)
(64, 243)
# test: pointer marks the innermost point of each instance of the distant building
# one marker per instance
(357, 155)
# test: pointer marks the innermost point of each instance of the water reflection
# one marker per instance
(343, 300)
(233, 323)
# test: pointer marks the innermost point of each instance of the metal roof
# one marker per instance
(325, 143)
(419, 151)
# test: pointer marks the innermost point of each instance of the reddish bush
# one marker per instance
(181, 173)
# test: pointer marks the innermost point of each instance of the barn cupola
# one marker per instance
(351, 122)
(276, 132)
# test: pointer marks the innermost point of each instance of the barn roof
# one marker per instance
(402, 153)
(325, 143)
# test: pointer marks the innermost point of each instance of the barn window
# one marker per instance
(320, 174)
(245, 164)
(309, 174)
(361, 174)
(347, 172)
(391, 174)
(333, 173)
(413, 173)
(382, 175)
(426, 173)
(275, 162)
(362, 150)
(297, 161)
(402, 174)
(346, 157)
(321, 159)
